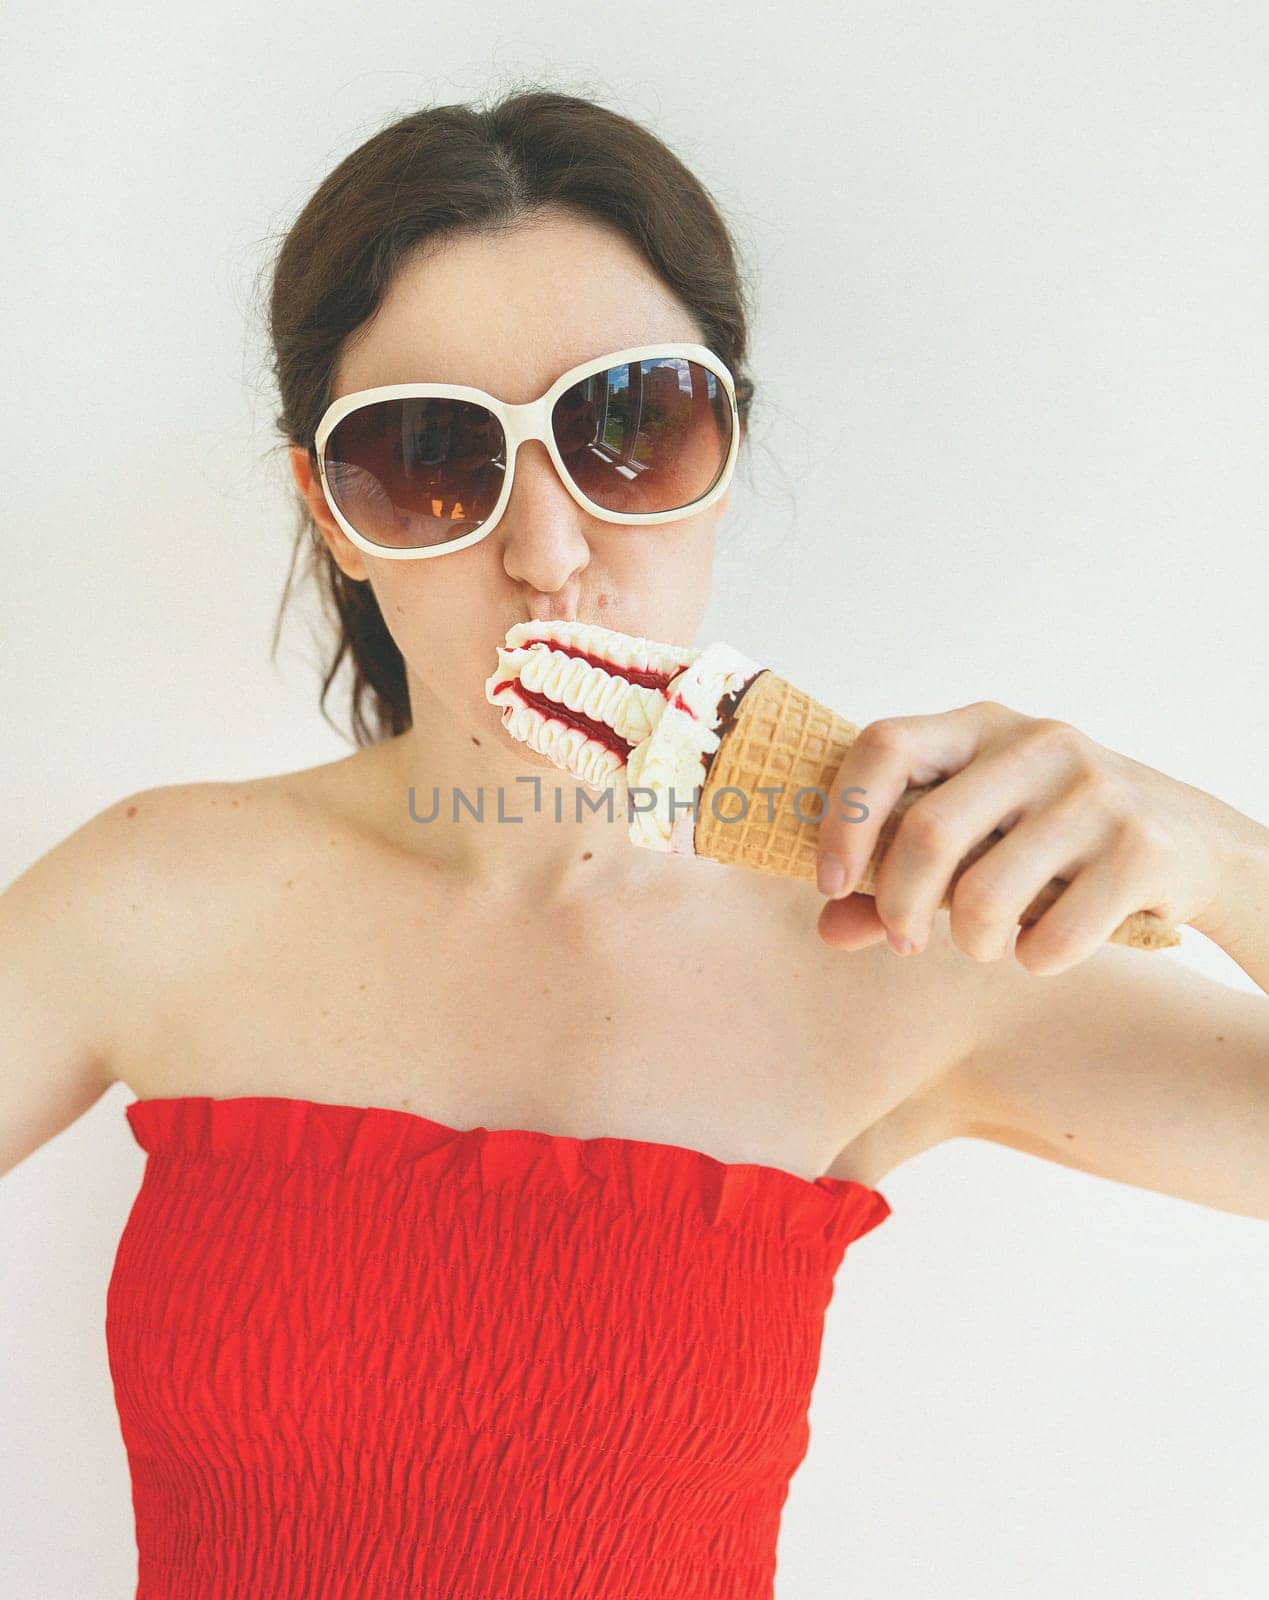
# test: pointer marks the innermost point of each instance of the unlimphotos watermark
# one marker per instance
(640, 799)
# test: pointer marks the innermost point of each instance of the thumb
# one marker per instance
(850, 924)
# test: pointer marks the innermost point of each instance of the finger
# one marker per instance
(1080, 921)
(886, 758)
(850, 924)
(937, 832)
(987, 904)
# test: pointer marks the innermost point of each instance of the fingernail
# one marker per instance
(901, 947)
(830, 875)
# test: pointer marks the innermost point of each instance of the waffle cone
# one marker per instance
(784, 741)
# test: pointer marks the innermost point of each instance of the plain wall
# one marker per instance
(1008, 443)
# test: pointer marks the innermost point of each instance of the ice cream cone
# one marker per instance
(693, 737)
(783, 741)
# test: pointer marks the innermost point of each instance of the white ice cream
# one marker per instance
(671, 760)
(600, 724)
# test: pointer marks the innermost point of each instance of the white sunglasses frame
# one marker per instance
(532, 420)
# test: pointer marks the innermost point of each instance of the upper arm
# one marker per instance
(66, 933)
(1130, 1065)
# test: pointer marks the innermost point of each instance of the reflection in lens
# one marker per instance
(416, 472)
(651, 435)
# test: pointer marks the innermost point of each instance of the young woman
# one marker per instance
(497, 1174)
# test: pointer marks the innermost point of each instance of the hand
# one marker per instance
(1124, 837)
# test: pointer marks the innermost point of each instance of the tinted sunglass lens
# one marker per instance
(648, 436)
(416, 472)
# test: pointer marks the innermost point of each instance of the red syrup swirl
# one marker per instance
(645, 677)
(555, 712)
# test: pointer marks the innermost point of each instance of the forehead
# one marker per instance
(509, 312)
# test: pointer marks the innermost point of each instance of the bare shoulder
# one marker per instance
(88, 932)
(150, 849)
(163, 875)
(127, 857)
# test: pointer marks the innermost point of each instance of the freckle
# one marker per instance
(132, 811)
(131, 907)
(1068, 1135)
(607, 1019)
(289, 882)
(601, 602)
(362, 986)
(475, 741)
(233, 802)
(586, 855)
(1220, 1038)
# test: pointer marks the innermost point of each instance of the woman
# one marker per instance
(488, 1223)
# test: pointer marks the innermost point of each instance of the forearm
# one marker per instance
(1238, 917)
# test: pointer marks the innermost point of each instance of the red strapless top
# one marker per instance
(358, 1354)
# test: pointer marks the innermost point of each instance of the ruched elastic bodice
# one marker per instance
(358, 1354)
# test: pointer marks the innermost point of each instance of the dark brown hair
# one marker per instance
(455, 169)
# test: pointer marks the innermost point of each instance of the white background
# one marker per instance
(1021, 249)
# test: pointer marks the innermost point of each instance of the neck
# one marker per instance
(505, 820)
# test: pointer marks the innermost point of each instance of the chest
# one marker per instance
(714, 1019)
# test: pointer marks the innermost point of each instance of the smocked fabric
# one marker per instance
(358, 1354)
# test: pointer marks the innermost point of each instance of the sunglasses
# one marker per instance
(641, 436)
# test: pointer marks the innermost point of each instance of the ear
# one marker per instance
(350, 560)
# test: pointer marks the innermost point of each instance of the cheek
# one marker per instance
(413, 600)
(439, 622)
(399, 591)
(683, 569)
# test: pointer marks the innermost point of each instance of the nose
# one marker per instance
(543, 530)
